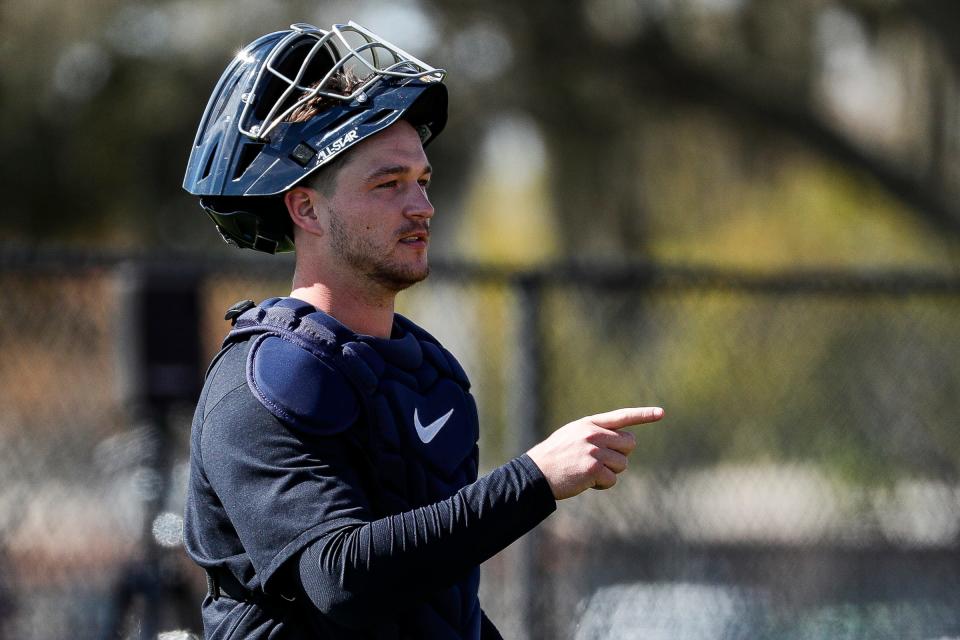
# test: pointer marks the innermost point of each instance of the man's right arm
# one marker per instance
(357, 568)
(389, 562)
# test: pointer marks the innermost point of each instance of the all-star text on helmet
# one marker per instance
(291, 102)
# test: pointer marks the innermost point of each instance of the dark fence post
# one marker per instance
(158, 347)
(525, 407)
(158, 339)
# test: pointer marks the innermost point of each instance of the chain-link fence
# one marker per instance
(804, 483)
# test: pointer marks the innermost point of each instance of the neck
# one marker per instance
(361, 309)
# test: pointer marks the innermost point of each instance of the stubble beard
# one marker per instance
(362, 255)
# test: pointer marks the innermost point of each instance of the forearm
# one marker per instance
(411, 553)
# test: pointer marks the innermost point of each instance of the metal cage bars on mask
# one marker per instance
(374, 45)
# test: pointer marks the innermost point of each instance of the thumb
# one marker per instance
(619, 418)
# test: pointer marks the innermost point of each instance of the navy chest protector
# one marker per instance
(411, 394)
(405, 400)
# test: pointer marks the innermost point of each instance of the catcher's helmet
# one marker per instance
(289, 103)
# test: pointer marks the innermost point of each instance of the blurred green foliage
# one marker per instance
(863, 386)
(756, 133)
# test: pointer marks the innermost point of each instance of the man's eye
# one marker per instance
(387, 185)
(424, 183)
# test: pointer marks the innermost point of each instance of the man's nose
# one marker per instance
(419, 205)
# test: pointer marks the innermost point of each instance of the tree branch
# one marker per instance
(686, 80)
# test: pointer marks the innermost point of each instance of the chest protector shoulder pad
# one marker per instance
(290, 369)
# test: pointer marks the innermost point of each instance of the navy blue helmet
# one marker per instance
(289, 103)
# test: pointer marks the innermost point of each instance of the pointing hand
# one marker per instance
(590, 452)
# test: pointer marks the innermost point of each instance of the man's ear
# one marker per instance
(304, 206)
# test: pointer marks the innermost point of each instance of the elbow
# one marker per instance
(340, 588)
(345, 607)
(348, 611)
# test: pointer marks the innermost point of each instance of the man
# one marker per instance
(333, 489)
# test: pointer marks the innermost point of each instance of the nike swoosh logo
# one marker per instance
(429, 432)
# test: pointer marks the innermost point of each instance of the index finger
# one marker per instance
(619, 418)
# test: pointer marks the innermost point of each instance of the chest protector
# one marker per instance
(406, 401)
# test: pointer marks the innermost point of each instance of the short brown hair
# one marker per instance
(343, 82)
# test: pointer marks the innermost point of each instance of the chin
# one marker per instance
(400, 279)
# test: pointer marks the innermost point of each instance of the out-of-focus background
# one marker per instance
(745, 211)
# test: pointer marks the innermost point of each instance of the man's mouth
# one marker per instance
(415, 237)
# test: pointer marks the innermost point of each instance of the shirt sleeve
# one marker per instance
(279, 489)
(382, 565)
